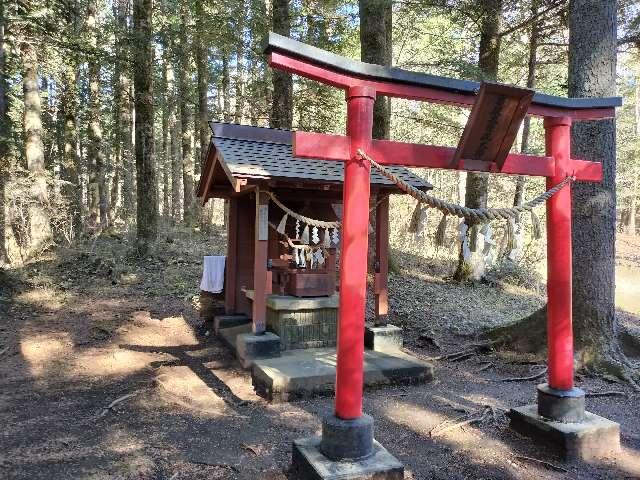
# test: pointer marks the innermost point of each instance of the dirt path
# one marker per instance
(93, 329)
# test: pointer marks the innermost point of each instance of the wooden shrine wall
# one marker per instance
(245, 251)
(243, 264)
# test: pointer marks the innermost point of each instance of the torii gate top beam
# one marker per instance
(326, 67)
(317, 64)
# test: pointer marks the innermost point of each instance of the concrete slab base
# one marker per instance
(303, 373)
(227, 321)
(384, 338)
(595, 437)
(251, 347)
(307, 463)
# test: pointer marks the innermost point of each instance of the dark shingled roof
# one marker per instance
(266, 153)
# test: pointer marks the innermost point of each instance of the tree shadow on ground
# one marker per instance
(196, 364)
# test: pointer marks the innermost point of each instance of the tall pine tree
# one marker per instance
(147, 215)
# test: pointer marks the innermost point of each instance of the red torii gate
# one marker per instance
(505, 110)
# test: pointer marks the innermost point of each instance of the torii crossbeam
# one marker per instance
(496, 115)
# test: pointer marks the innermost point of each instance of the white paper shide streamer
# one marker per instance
(335, 236)
(282, 225)
(462, 237)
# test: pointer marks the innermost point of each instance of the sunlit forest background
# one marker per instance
(69, 115)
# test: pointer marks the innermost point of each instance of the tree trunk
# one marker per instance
(128, 155)
(70, 165)
(163, 181)
(176, 172)
(239, 82)
(38, 228)
(165, 136)
(473, 268)
(226, 95)
(281, 115)
(376, 47)
(636, 162)
(521, 180)
(187, 162)
(202, 55)
(592, 25)
(5, 135)
(176, 159)
(147, 215)
(97, 160)
(34, 150)
(121, 85)
(186, 125)
(48, 129)
(169, 133)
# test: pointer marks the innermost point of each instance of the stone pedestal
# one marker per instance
(346, 451)
(308, 463)
(303, 322)
(347, 439)
(565, 406)
(559, 419)
(251, 347)
(385, 338)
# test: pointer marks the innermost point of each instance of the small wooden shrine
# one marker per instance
(283, 230)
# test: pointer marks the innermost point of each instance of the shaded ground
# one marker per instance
(627, 273)
(99, 327)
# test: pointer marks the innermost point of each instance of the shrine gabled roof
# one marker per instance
(293, 48)
(256, 154)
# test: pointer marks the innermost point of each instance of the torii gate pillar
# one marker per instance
(559, 418)
(348, 433)
(558, 399)
(347, 446)
(353, 260)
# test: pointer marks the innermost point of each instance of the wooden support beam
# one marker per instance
(260, 274)
(389, 152)
(381, 286)
(320, 145)
(204, 188)
(231, 264)
(585, 170)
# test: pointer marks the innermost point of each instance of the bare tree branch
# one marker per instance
(533, 18)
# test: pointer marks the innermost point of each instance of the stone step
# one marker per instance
(303, 373)
(227, 321)
(229, 335)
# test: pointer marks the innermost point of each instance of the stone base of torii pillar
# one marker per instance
(559, 419)
(345, 451)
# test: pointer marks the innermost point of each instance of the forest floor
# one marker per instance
(102, 375)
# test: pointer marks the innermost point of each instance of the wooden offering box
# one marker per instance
(316, 282)
(311, 283)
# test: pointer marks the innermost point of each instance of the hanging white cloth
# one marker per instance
(213, 274)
